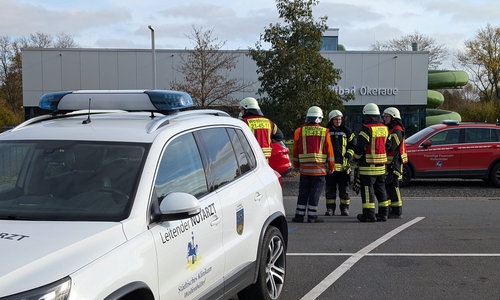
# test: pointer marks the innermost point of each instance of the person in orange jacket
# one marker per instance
(314, 158)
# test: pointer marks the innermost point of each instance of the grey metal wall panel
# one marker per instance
(387, 71)
(144, 70)
(89, 64)
(420, 65)
(373, 71)
(404, 76)
(52, 70)
(108, 69)
(127, 70)
(32, 71)
(71, 71)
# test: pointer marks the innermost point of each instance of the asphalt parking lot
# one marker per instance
(443, 248)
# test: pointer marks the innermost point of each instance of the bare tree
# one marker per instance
(481, 59)
(40, 40)
(206, 71)
(437, 53)
(63, 40)
(11, 91)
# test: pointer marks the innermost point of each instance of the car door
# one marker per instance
(190, 251)
(479, 151)
(241, 193)
(442, 158)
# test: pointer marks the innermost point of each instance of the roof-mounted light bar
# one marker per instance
(130, 100)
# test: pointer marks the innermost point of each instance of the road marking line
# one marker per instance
(399, 254)
(345, 266)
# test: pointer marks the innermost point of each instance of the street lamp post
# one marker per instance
(154, 54)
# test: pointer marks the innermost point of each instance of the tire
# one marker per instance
(272, 269)
(406, 176)
(495, 175)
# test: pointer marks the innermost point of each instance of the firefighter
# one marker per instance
(313, 157)
(371, 158)
(396, 157)
(265, 130)
(343, 147)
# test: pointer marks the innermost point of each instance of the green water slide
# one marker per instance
(442, 79)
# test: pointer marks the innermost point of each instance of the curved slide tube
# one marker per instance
(442, 79)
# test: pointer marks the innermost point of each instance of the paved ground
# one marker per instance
(445, 247)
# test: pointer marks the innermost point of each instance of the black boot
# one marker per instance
(396, 213)
(368, 215)
(382, 214)
(330, 210)
(344, 210)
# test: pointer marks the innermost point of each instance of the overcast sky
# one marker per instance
(124, 23)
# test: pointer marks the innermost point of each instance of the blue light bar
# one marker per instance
(50, 101)
(171, 100)
(129, 100)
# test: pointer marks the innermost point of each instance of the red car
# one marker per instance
(279, 160)
(454, 150)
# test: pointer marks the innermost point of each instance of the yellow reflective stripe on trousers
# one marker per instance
(372, 170)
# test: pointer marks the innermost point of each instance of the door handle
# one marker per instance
(216, 221)
(258, 197)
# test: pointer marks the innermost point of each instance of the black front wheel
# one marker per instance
(272, 269)
(495, 175)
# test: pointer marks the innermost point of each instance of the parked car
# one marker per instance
(454, 150)
(143, 202)
(280, 160)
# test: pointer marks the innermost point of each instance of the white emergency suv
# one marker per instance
(125, 195)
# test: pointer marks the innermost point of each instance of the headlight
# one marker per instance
(58, 290)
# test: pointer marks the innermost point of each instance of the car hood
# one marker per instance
(36, 253)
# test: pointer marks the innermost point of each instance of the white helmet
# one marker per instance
(371, 109)
(314, 114)
(393, 112)
(249, 103)
(334, 113)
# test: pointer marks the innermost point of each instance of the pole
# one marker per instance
(154, 54)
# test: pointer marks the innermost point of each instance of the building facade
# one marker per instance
(386, 78)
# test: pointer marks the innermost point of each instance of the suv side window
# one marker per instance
(477, 135)
(248, 150)
(181, 169)
(219, 158)
(446, 137)
(240, 152)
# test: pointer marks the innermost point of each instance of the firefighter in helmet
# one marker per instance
(396, 157)
(265, 130)
(313, 157)
(371, 158)
(343, 146)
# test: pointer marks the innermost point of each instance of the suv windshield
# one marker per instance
(414, 138)
(68, 180)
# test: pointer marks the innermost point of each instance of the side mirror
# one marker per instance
(427, 144)
(178, 206)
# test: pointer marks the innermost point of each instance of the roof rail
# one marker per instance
(61, 115)
(166, 119)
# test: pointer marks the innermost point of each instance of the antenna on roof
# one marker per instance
(88, 116)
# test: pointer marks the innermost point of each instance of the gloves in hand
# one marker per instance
(356, 187)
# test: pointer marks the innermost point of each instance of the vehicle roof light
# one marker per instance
(130, 100)
(450, 122)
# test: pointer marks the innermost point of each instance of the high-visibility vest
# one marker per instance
(312, 150)
(262, 129)
(402, 145)
(375, 152)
